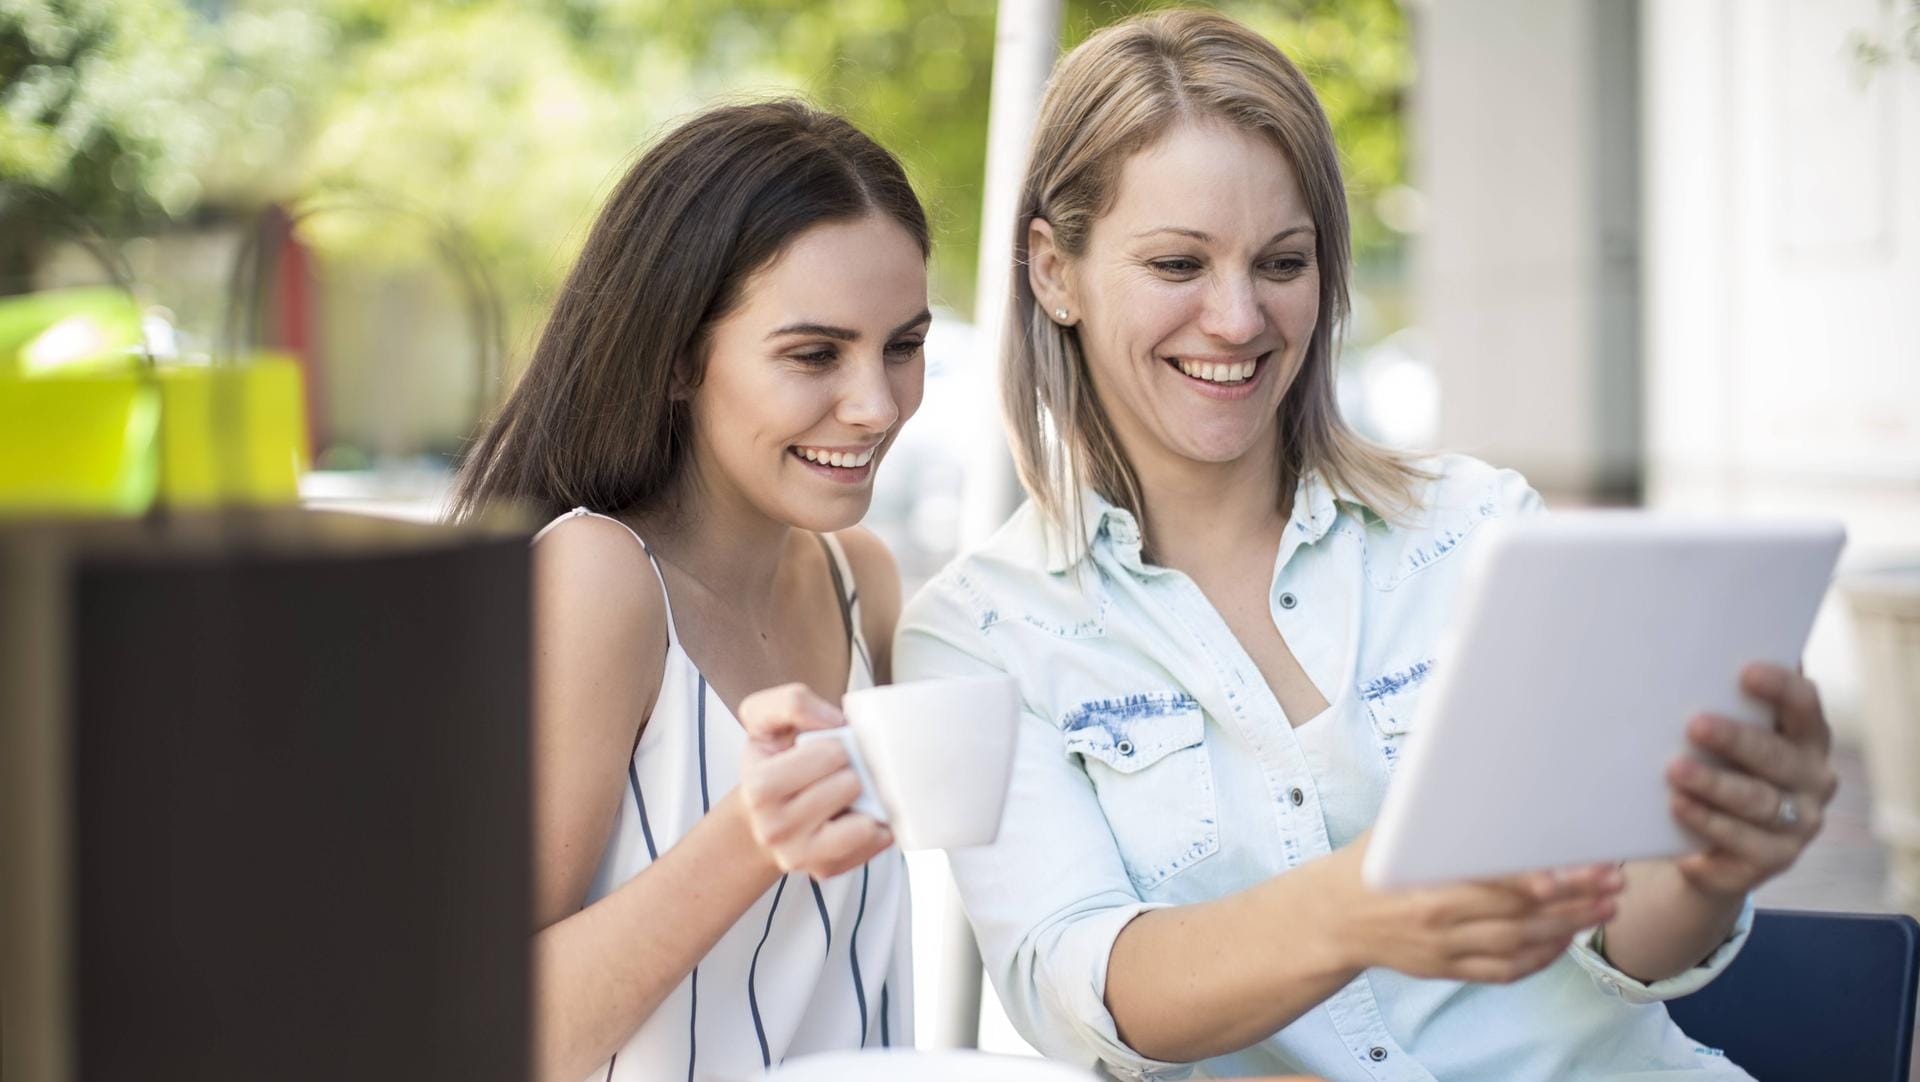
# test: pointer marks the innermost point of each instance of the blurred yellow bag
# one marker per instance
(185, 435)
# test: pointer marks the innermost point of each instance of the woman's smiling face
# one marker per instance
(809, 379)
(1197, 295)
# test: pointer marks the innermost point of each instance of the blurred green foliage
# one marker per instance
(511, 119)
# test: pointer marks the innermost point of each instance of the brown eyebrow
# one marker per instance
(1207, 238)
(846, 334)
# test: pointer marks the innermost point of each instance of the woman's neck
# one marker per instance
(1196, 511)
(726, 545)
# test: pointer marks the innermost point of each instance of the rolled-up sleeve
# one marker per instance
(1615, 983)
(1048, 898)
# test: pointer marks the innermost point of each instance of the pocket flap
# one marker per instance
(1132, 733)
(1392, 699)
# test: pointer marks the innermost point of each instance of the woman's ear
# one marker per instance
(682, 381)
(1047, 273)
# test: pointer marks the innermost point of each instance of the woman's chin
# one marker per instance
(1221, 447)
(826, 516)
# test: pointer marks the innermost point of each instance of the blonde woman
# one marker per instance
(1221, 606)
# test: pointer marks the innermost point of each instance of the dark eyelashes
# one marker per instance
(822, 357)
(1288, 266)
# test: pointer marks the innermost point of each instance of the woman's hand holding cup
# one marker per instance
(798, 796)
(1493, 931)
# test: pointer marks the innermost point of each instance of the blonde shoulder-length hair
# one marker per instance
(1110, 98)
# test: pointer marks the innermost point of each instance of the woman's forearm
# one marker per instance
(1195, 981)
(600, 973)
(1666, 925)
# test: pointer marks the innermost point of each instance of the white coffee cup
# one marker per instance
(934, 756)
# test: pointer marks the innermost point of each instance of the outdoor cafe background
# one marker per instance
(1661, 253)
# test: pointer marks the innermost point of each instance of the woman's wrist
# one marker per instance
(732, 816)
(1667, 924)
(1334, 907)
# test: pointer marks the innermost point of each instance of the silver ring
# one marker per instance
(1788, 815)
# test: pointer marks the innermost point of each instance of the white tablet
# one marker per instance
(1582, 645)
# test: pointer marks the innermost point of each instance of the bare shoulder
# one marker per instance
(597, 601)
(877, 579)
(597, 568)
(597, 610)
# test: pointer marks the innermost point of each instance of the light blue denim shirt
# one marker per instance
(1155, 768)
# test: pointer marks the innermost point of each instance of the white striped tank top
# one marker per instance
(812, 966)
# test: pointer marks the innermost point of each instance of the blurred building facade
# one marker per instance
(1673, 258)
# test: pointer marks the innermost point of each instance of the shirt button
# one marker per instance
(1297, 797)
(1126, 747)
(1288, 601)
(1376, 1053)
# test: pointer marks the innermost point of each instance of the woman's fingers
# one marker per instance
(842, 845)
(1587, 880)
(1762, 753)
(1550, 927)
(1523, 897)
(1445, 907)
(1796, 702)
(1767, 850)
(777, 779)
(1740, 795)
(773, 717)
(819, 802)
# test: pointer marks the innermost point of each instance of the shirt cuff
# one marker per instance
(1079, 977)
(1615, 983)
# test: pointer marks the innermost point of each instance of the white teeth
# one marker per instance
(1217, 373)
(839, 459)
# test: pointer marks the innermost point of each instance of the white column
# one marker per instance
(1026, 38)
(1528, 265)
(1783, 279)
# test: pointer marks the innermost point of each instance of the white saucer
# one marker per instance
(896, 1065)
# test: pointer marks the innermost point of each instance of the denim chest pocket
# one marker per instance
(1391, 701)
(1147, 758)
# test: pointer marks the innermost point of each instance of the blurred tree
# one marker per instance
(1898, 35)
(511, 119)
(128, 114)
(1359, 56)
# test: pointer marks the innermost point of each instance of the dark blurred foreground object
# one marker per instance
(1814, 997)
(263, 799)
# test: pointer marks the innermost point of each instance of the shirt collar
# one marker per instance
(1315, 500)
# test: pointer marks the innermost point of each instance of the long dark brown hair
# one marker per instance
(596, 421)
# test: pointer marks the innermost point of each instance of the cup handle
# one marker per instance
(868, 802)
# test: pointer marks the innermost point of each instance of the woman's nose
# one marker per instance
(1233, 312)
(867, 398)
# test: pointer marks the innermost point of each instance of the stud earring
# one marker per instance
(1060, 314)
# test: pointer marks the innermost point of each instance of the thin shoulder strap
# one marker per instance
(673, 636)
(837, 565)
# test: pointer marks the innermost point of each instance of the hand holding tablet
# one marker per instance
(1584, 646)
